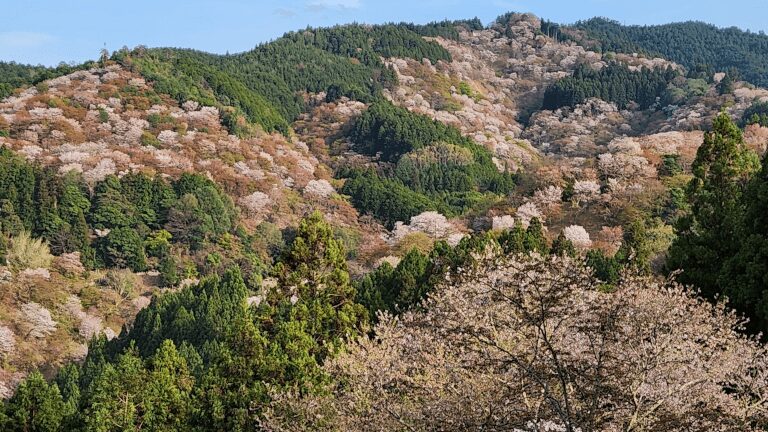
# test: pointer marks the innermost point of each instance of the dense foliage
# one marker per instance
(757, 113)
(14, 75)
(691, 44)
(433, 166)
(206, 357)
(387, 200)
(613, 83)
(720, 241)
(131, 211)
(446, 29)
(403, 287)
(265, 83)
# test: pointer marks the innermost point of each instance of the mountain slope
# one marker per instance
(692, 44)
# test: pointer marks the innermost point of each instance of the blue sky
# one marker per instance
(50, 31)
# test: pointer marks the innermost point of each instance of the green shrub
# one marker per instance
(26, 252)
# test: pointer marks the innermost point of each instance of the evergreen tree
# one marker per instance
(607, 269)
(744, 277)
(513, 241)
(17, 188)
(561, 246)
(721, 170)
(111, 209)
(635, 248)
(188, 223)
(3, 246)
(315, 264)
(123, 248)
(725, 85)
(168, 275)
(48, 222)
(37, 406)
(535, 239)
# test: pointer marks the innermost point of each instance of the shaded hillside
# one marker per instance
(691, 44)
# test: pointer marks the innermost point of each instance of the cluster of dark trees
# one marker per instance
(756, 114)
(446, 29)
(192, 211)
(721, 242)
(201, 358)
(432, 166)
(691, 44)
(613, 83)
(264, 84)
(14, 75)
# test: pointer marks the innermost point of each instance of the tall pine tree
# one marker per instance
(707, 236)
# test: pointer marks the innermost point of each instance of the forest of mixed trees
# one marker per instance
(691, 44)
(493, 333)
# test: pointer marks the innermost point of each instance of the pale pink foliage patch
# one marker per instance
(38, 320)
(537, 340)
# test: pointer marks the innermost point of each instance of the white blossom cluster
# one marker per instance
(7, 342)
(578, 236)
(319, 189)
(586, 190)
(89, 325)
(38, 319)
(256, 202)
(245, 169)
(431, 223)
(503, 222)
(550, 196)
(528, 211)
(103, 169)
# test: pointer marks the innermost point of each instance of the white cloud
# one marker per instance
(23, 39)
(283, 12)
(333, 4)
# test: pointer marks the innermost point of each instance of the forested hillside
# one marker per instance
(13, 75)
(265, 83)
(443, 226)
(692, 44)
(434, 167)
(614, 83)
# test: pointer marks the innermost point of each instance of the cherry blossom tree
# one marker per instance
(431, 223)
(90, 326)
(623, 166)
(105, 167)
(7, 342)
(532, 344)
(319, 189)
(256, 202)
(528, 211)
(503, 222)
(38, 320)
(586, 191)
(548, 197)
(69, 264)
(578, 236)
(610, 239)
